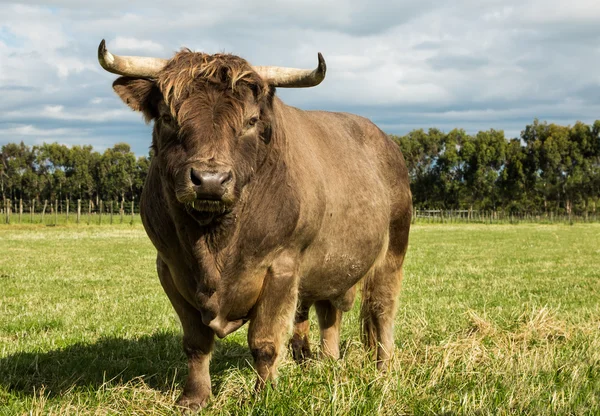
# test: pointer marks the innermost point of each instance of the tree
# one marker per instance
(448, 170)
(117, 171)
(513, 179)
(483, 157)
(82, 171)
(15, 161)
(421, 151)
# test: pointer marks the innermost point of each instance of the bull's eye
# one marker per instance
(252, 122)
(166, 119)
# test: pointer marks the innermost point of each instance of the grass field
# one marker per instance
(493, 319)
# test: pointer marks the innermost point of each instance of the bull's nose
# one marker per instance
(209, 185)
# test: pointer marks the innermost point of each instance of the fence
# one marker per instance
(68, 212)
(500, 217)
(120, 212)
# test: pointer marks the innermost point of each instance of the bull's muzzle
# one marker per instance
(206, 193)
(210, 186)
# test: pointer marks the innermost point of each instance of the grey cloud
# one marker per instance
(589, 94)
(428, 45)
(352, 16)
(457, 62)
(405, 65)
(17, 88)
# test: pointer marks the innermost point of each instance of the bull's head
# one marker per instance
(213, 119)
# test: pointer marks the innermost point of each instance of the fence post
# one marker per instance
(111, 211)
(67, 220)
(122, 210)
(56, 212)
(132, 210)
(8, 208)
(31, 211)
(100, 212)
(78, 210)
(89, 212)
(20, 209)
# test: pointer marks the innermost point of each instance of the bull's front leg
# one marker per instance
(198, 342)
(272, 318)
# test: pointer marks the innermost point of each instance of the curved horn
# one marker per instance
(292, 77)
(132, 66)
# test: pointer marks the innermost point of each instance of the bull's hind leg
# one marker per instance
(330, 319)
(381, 288)
(198, 341)
(299, 343)
(378, 309)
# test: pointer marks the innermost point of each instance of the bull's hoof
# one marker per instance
(191, 405)
(300, 349)
(262, 384)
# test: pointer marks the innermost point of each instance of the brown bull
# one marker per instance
(259, 210)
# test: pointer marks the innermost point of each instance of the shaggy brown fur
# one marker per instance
(318, 203)
(188, 72)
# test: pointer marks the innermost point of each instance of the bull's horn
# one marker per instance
(146, 67)
(132, 66)
(292, 77)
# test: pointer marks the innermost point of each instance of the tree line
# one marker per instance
(58, 172)
(549, 168)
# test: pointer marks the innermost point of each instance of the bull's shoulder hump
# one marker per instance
(340, 116)
(357, 128)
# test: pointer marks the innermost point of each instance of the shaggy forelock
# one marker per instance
(210, 97)
(188, 73)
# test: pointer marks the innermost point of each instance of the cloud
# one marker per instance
(29, 130)
(134, 44)
(404, 64)
(443, 61)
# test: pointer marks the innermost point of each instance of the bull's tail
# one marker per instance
(368, 328)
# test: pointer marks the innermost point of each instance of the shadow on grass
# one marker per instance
(157, 360)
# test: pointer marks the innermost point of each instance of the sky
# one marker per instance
(471, 64)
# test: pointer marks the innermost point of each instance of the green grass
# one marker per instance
(52, 219)
(493, 319)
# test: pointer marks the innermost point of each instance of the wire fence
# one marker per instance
(466, 216)
(60, 212)
(92, 212)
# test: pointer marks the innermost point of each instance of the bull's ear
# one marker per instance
(139, 94)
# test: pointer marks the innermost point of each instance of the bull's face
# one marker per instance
(210, 134)
(209, 149)
(213, 118)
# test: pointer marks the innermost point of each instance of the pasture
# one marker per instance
(493, 319)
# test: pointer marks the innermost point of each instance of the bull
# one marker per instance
(259, 210)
